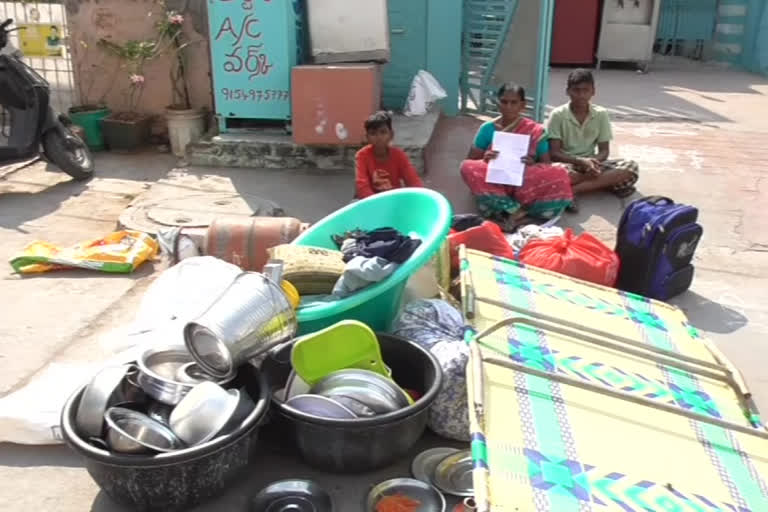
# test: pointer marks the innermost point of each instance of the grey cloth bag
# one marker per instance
(439, 327)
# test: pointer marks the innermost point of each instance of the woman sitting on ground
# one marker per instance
(546, 189)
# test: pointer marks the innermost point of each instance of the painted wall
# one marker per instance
(122, 20)
(444, 29)
(425, 34)
(518, 59)
(761, 43)
(742, 34)
(730, 30)
(99, 75)
(756, 37)
(344, 29)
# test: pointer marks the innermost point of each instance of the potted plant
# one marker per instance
(130, 129)
(89, 113)
(185, 124)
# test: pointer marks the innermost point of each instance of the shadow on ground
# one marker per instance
(39, 189)
(21, 456)
(17, 208)
(306, 195)
(709, 315)
(699, 92)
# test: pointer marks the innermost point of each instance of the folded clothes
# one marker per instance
(387, 243)
(361, 272)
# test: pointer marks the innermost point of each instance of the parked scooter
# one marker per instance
(27, 120)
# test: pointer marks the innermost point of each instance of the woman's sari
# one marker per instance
(546, 189)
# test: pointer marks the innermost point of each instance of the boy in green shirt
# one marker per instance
(580, 137)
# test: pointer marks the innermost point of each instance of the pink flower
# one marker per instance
(136, 79)
(175, 19)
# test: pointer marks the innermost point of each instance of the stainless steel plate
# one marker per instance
(371, 382)
(374, 399)
(453, 474)
(424, 464)
(429, 498)
(321, 407)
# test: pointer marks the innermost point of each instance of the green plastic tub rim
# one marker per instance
(419, 259)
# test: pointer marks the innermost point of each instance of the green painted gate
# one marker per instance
(685, 26)
(488, 25)
(408, 42)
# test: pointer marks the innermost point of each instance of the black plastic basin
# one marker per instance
(364, 444)
(177, 480)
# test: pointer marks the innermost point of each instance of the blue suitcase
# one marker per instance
(656, 241)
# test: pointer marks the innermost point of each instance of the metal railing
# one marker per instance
(56, 65)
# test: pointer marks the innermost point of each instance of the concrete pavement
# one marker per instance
(710, 156)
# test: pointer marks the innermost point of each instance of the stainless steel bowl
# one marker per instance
(203, 413)
(103, 391)
(133, 432)
(159, 370)
(191, 373)
(159, 411)
(429, 498)
(252, 316)
(377, 392)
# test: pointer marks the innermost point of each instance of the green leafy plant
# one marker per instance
(171, 35)
(169, 40)
(134, 55)
(89, 74)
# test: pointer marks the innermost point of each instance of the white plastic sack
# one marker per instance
(32, 414)
(181, 294)
(425, 91)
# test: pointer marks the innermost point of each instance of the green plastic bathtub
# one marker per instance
(413, 211)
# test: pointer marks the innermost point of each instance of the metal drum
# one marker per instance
(251, 316)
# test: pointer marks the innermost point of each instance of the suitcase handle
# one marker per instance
(658, 199)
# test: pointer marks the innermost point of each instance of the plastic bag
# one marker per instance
(425, 90)
(486, 237)
(583, 257)
(32, 414)
(177, 244)
(119, 252)
(182, 293)
(519, 239)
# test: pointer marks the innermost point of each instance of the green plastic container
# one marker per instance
(414, 211)
(90, 120)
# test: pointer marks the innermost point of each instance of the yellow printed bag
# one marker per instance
(119, 252)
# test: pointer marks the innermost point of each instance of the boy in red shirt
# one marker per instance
(380, 166)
